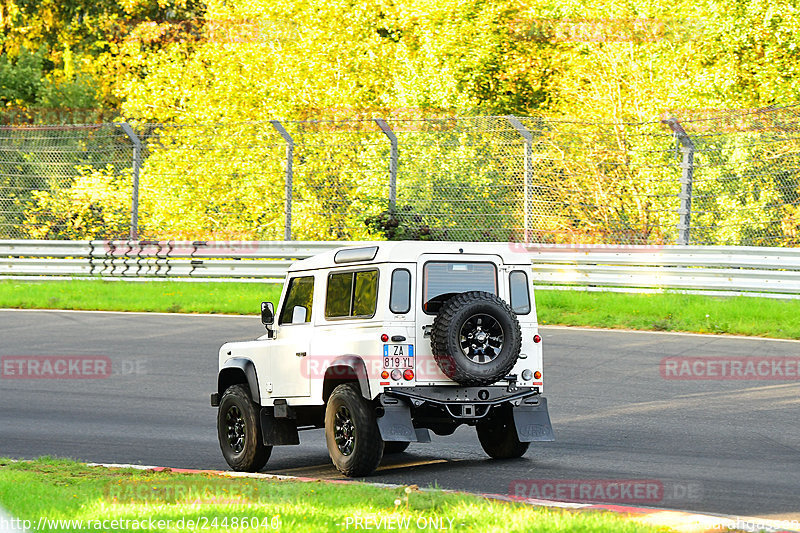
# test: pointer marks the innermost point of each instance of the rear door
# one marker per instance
(439, 277)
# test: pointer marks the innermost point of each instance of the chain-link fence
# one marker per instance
(699, 178)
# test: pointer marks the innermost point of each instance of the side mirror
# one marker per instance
(267, 313)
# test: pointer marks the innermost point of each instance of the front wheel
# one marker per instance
(239, 431)
(498, 435)
(351, 432)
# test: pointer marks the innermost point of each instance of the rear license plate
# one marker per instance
(398, 356)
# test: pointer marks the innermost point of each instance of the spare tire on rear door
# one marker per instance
(475, 338)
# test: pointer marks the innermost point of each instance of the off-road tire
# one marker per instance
(461, 311)
(498, 435)
(352, 419)
(394, 446)
(239, 431)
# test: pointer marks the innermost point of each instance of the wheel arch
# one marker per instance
(346, 369)
(239, 370)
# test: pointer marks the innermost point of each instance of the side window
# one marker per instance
(365, 295)
(299, 299)
(400, 294)
(351, 294)
(337, 298)
(520, 295)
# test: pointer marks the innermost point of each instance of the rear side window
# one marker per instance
(352, 294)
(444, 279)
(365, 293)
(400, 295)
(300, 296)
(520, 295)
(339, 294)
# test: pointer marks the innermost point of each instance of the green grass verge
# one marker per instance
(738, 315)
(661, 312)
(56, 489)
(153, 296)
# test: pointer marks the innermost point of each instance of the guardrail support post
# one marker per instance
(287, 209)
(387, 130)
(137, 165)
(687, 173)
(528, 173)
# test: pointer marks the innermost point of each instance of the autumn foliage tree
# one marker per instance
(572, 62)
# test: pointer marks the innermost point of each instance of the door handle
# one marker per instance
(300, 354)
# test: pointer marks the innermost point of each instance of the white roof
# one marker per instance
(409, 252)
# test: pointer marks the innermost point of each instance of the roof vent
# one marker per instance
(353, 255)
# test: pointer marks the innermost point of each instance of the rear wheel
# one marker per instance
(239, 431)
(351, 432)
(498, 434)
(395, 446)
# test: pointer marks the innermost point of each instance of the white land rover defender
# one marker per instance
(378, 345)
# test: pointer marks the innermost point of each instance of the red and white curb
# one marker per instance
(683, 521)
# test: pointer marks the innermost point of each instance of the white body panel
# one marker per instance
(292, 364)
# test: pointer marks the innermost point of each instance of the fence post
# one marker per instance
(687, 173)
(137, 165)
(287, 209)
(528, 173)
(387, 130)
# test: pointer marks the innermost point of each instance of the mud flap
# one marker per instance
(278, 431)
(395, 425)
(533, 421)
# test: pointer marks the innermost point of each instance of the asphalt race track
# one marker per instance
(717, 446)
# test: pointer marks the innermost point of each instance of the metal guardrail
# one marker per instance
(723, 269)
(719, 269)
(176, 260)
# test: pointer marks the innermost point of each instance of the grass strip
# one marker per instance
(152, 296)
(738, 315)
(60, 491)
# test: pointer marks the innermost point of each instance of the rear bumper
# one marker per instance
(407, 410)
(467, 403)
